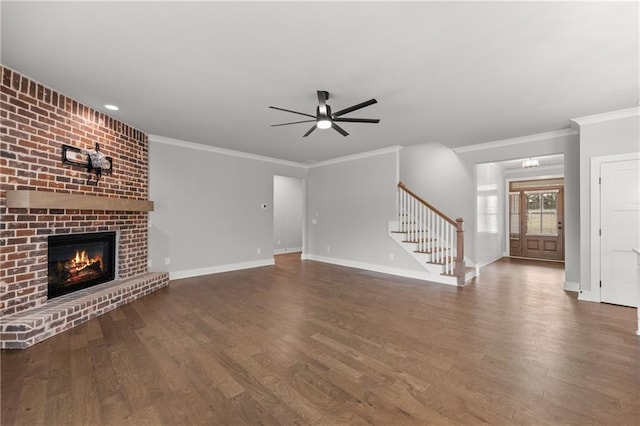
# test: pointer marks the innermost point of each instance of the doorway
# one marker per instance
(288, 214)
(536, 219)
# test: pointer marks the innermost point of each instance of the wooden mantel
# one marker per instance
(58, 200)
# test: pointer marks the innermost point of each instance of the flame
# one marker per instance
(82, 260)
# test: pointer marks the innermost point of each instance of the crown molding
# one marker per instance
(516, 141)
(223, 151)
(391, 149)
(605, 116)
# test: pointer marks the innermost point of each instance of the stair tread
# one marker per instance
(421, 240)
(442, 261)
(431, 251)
(467, 269)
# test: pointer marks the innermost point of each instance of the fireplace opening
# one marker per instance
(79, 261)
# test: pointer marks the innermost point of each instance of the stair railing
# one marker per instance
(433, 231)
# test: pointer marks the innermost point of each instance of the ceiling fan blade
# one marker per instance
(293, 122)
(354, 107)
(357, 120)
(309, 131)
(339, 129)
(295, 112)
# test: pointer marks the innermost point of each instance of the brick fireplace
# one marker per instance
(41, 197)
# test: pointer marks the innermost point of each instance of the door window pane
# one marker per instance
(542, 213)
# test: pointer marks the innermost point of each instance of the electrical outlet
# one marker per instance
(259, 250)
(278, 242)
(167, 261)
(391, 256)
(328, 249)
(314, 221)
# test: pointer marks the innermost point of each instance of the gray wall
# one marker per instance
(439, 175)
(566, 143)
(288, 203)
(349, 206)
(208, 211)
(447, 179)
(600, 138)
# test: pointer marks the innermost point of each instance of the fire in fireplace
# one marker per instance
(79, 261)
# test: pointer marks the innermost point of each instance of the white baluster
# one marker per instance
(422, 232)
(414, 218)
(404, 211)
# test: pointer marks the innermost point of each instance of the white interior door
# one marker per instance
(620, 231)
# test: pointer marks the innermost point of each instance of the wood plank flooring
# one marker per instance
(304, 342)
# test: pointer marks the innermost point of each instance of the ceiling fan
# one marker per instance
(325, 119)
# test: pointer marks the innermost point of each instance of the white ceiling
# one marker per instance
(454, 73)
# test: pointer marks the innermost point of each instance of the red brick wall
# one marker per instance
(35, 122)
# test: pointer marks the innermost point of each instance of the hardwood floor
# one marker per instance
(304, 342)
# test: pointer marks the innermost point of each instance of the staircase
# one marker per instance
(432, 238)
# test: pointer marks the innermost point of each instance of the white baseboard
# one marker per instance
(407, 273)
(287, 250)
(571, 286)
(489, 262)
(589, 296)
(187, 273)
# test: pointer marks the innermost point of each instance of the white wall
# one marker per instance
(490, 213)
(288, 209)
(612, 133)
(208, 214)
(349, 206)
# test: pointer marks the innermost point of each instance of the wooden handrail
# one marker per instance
(435, 210)
(453, 265)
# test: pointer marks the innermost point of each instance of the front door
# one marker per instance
(536, 219)
(620, 231)
(542, 230)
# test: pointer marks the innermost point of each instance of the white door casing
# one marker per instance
(619, 231)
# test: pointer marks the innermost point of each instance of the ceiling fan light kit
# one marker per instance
(325, 119)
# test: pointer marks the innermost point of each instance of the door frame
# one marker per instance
(507, 240)
(304, 212)
(594, 295)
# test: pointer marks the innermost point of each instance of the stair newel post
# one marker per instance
(460, 272)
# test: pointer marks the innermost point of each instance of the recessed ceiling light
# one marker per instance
(111, 107)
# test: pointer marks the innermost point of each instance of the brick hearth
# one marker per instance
(36, 122)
